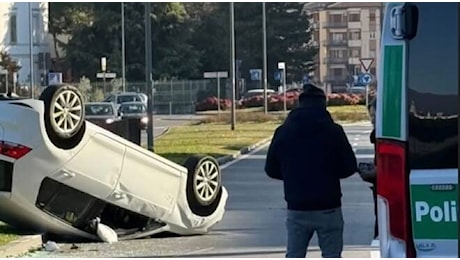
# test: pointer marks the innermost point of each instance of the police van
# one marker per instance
(417, 132)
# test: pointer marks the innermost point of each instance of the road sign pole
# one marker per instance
(367, 95)
(232, 65)
(103, 83)
(284, 89)
(218, 93)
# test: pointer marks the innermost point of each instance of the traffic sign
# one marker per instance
(215, 74)
(107, 75)
(277, 75)
(366, 63)
(255, 74)
(366, 78)
(54, 78)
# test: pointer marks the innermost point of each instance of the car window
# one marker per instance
(128, 98)
(433, 88)
(99, 110)
(133, 108)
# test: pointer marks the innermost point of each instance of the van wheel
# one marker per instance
(204, 184)
(64, 115)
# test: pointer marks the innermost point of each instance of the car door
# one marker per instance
(432, 94)
(94, 169)
(149, 184)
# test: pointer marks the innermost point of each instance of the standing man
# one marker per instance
(310, 154)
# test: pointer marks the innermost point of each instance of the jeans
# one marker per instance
(328, 225)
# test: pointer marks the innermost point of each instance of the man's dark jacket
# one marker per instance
(310, 153)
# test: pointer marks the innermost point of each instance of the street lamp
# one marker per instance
(31, 53)
(282, 66)
(148, 74)
(123, 54)
(232, 64)
(264, 24)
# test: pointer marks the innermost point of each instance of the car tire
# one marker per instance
(204, 184)
(64, 115)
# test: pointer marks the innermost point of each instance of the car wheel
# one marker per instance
(204, 184)
(64, 115)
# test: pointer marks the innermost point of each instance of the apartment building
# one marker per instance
(14, 36)
(344, 33)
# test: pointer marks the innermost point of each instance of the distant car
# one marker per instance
(64, 176)
(101, 113)
(135, 110)
(257, 92)
(124, 97)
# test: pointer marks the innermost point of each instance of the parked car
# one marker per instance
(257, 92)
(61, 174)
(101, 113)
(135, 110)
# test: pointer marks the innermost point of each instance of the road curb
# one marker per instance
(228, 158)
(21, 246)
(162, 133)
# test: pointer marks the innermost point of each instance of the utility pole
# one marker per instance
(232, 64)
(264, 22)
(148, 75)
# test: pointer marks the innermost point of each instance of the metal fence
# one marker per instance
(169, 97)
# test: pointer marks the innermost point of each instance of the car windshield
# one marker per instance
(99, 110)
(128, 98)
(133, 108)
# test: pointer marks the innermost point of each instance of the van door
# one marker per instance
(432, 78)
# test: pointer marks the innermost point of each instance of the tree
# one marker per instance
(287, 37)
(173, 56)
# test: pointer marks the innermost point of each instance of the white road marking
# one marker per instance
(243, 156)
(355, 144)
(365, 156)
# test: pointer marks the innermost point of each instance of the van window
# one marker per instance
(432, 79)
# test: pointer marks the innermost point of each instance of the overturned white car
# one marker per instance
(58, 173)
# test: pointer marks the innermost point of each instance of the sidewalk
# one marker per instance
(279, 252)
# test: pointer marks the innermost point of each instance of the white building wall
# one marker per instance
(19, 49)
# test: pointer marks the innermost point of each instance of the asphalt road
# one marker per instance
(253, 225)
(162, 122)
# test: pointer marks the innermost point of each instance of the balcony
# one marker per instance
(342, 24)
(335, 43)
(335, 60)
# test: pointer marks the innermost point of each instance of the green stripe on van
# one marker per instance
(392, 85)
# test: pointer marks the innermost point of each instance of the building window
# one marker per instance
(372, 16)
(357, 70)
(338, 53)
(338, 37)
(354, 17)
(372, 45)
(355, 53)
(337, 72)
(372, 54)
(372, 35)
(13, 29)
(336, 18)
(355, 35)
(36, 27)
